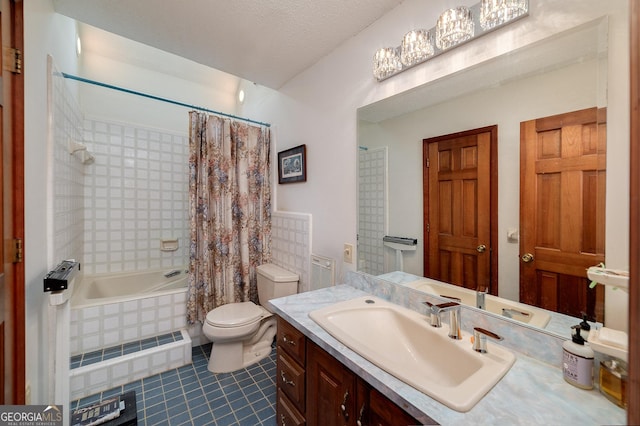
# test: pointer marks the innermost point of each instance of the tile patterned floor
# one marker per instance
(116, 351)
(191, 395)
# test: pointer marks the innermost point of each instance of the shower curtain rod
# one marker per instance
(157, 98)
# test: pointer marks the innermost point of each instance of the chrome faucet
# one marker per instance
(481, 292)
(480, 339)
(453, 308)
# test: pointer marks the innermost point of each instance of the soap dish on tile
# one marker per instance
(169, 245)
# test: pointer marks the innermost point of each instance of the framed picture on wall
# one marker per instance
(292, 165)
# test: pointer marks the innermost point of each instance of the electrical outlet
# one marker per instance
(348, 253)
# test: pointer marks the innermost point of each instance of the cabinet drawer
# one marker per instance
(291, 341)
(286, 413)
(291, 380)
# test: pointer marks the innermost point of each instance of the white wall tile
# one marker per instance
(138, 169)
(290, 247)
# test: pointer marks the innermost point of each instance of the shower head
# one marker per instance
(80, 151)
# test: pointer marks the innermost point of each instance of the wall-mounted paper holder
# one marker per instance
(169, 244)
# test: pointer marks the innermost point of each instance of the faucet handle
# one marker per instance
(445, 306)
(480, 339)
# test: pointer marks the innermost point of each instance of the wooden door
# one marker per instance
(331, 390)
(562, 211)
(12, 344)
(460, 208)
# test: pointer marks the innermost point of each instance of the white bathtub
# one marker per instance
(113, 309)
(108, 288)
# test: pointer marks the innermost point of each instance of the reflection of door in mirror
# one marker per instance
(562, 222)
(372, 210)
(459, 210)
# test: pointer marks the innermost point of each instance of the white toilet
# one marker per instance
(242, 333)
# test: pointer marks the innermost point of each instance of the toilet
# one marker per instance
(242, 333)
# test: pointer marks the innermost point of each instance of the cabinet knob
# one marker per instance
(289, 341)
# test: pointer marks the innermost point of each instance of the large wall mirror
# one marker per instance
(566, 73)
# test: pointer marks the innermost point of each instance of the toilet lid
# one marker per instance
(234, 314)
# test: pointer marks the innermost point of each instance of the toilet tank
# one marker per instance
(274, 282)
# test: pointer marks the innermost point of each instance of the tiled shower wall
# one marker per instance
(372, 214)
(66, 170)
(291, 244)
(136, 194)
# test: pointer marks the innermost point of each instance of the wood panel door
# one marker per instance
(460, 208)
(331, 390)
(12, 332)
(562, 211)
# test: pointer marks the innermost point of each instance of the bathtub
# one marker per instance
(114, 309)
(107, 288)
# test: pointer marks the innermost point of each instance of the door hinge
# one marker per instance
(11, 60)
(428, 228)
(427, 163)
(17, 251)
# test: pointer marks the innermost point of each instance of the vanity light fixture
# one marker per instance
(497, 12)
(417, 45)
(454, 27)
(386, 62)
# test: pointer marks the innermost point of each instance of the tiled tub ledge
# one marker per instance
(112, 372)
(531, 393)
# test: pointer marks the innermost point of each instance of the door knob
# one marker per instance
(527, 257)
(481, 248)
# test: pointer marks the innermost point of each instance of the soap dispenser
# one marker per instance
(577, 361)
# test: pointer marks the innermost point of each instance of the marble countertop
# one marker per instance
(531, 393)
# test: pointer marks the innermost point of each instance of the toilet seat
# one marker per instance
(234, 315)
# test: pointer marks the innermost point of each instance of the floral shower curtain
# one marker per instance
(230, 211)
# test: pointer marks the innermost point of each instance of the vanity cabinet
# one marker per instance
(290, 375)
(317, 390)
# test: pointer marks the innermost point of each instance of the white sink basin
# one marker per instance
(403, 343)
(517, 311)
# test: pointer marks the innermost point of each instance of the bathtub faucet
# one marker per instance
(172, 273)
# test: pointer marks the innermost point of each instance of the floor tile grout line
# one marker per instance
(263, 414)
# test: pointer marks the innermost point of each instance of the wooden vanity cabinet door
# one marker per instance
(292, 341)
(291, 380)
(290, 375)
(286, 415)
(331, 390)
(384, 412)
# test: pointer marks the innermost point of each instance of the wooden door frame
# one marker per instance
(17, 294)
(633, 407)
(493, 189)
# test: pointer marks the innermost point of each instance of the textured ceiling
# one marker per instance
(264, 41)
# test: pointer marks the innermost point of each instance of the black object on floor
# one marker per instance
(128, 416)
